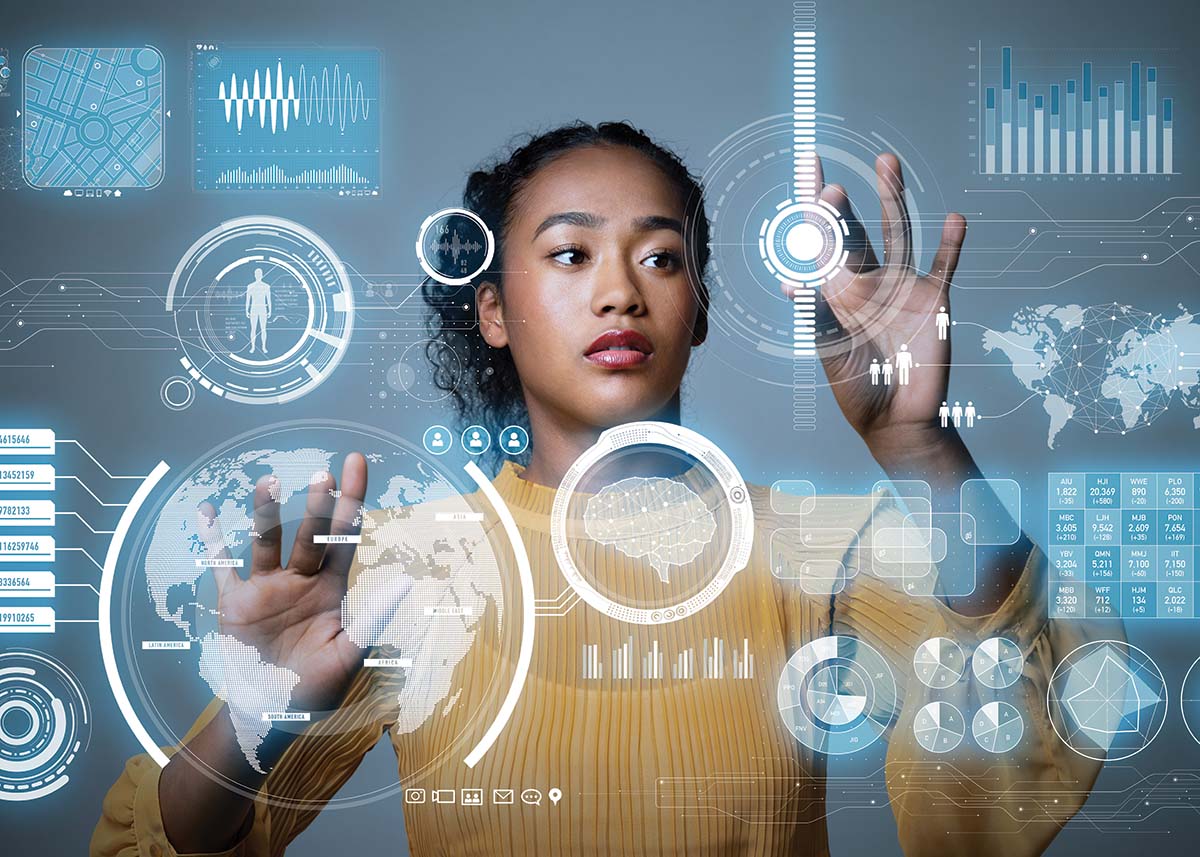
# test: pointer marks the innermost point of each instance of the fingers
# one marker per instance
(819, 174)
(860, 254)
(308, 549)
(897, 229)
(211, 535)
(945, 261)
(264, 555)
(347, 520)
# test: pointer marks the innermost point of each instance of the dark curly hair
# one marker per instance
(483, 380)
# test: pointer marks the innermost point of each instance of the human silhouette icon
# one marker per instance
(258, 309)
(904, 362)
(875, 371)
(970, 413)
(957, 414)
(944, 415)
(476, 440)
(887, 372)
(942, 320)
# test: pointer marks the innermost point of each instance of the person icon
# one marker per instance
(258, 308)
(437, 440)
(887, 372)
(942, 320)
(970, 414)
(514, 440)
(875, 372)
(944, 415)
(476, 440)
(956, 413)
(904, 362)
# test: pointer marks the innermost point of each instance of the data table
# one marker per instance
(1122, 544)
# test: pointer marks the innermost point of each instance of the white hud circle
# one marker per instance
(711, 457)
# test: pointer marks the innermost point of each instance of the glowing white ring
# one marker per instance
(824, 215)
(690, 443)
(489, 241)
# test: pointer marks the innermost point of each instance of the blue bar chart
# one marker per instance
(1088, 123)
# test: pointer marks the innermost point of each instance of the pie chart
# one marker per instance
(998, 727)
(939, 663)
(997, 663)
(939, 727)
(837, 695)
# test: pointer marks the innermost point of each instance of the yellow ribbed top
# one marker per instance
(670, 765)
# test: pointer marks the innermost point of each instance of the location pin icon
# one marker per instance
(555, 795)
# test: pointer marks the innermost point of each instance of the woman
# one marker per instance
(587, 320)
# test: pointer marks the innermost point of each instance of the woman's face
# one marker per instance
(597, 306)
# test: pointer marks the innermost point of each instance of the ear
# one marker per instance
(491, 315)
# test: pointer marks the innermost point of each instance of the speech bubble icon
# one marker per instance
(533, 797)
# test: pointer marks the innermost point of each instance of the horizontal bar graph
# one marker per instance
(1075, 126)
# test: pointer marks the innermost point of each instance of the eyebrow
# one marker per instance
(571, 218)
(586, 219)
(657, 221)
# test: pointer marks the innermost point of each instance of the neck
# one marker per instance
(558, 440)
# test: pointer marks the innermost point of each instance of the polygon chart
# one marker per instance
(1107, 700)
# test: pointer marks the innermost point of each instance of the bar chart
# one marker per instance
(1108, 119)
(715, 660)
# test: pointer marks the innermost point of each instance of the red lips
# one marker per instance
(619, 349)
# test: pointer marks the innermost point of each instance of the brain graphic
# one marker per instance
(662, 520)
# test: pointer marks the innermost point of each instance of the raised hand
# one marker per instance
(291, 614)
(883, 310)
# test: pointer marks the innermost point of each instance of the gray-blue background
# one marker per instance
(461, 79)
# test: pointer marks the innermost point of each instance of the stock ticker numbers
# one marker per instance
(1122, 545)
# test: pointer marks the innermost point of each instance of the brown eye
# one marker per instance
(569, 256)
(661, 261)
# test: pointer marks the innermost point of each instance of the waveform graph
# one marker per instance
(294, 119)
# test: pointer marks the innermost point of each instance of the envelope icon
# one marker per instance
(502, 796)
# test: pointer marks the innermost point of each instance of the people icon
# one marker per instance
(875, 372)
(476, 440)
(258, 308)
(514, 440)
(970, 414)
(904, 362)
(956, 414)
(944, 415)
(437, 440)
(942, 320)
(887, 372)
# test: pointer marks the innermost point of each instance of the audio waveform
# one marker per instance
(325, 98)
(273, 174)
(455, 246)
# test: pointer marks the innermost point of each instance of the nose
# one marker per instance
(616, 291)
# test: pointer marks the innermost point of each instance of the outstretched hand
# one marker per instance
(291, 614)
(885, 309)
